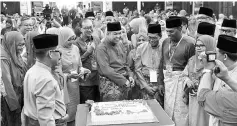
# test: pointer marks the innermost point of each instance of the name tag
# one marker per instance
(93, 64)
(153, 76)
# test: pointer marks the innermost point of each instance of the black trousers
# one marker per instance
(89, 93)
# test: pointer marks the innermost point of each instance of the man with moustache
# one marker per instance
(96, 31)
(176, 51)
(147, 66)
(115, 76)
(43, 99)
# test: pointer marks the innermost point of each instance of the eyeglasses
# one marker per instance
(141, 40)
(199, 45)
(56, 51)
(152, 38)
(88, 28)
(226, 31)
(72, 38)
(28, 25)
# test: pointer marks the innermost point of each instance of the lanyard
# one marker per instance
(172, 54)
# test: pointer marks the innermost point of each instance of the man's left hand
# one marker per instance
(161, 90)
(223, 74)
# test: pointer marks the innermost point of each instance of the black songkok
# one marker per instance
(229, 23)
(89, 14)
(173, 22)
(205, 28)
(227, 43)
(154, 28)
(113, 26)
(109, 13)
(45, 41)
(206, 11)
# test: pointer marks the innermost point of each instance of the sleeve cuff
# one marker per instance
(202, 94)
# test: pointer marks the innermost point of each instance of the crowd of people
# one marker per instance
(47, 70)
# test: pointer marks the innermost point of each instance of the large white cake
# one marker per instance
(121, 112)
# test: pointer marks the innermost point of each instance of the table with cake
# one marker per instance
(123, 113)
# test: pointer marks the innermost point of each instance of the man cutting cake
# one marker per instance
(115, 78)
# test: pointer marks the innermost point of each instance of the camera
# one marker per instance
(211, 56)
(47, 12)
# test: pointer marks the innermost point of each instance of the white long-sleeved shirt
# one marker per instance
(43, 100)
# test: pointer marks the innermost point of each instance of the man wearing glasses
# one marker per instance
(115, 76)
(43, 99)
(87, 43)
(228, 27)
(96, 31)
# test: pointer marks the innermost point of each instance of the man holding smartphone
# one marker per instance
(221, 101)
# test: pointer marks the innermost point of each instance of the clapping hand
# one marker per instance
(91, 47)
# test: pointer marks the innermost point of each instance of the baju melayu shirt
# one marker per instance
(112, 62)
(43, 99)
(181, 52)
(148, 59)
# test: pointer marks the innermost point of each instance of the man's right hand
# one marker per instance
(91, 47)
(223, 74)
(150, 90)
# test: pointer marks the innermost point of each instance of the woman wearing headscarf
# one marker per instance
(141, 38)
(193, 71)
(126, 43)
(137, 25)
(13, 69)
(30, 51)
(57, 71)
(72, 69)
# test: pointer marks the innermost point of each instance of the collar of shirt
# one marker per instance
(232, 67)
(43, 66)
